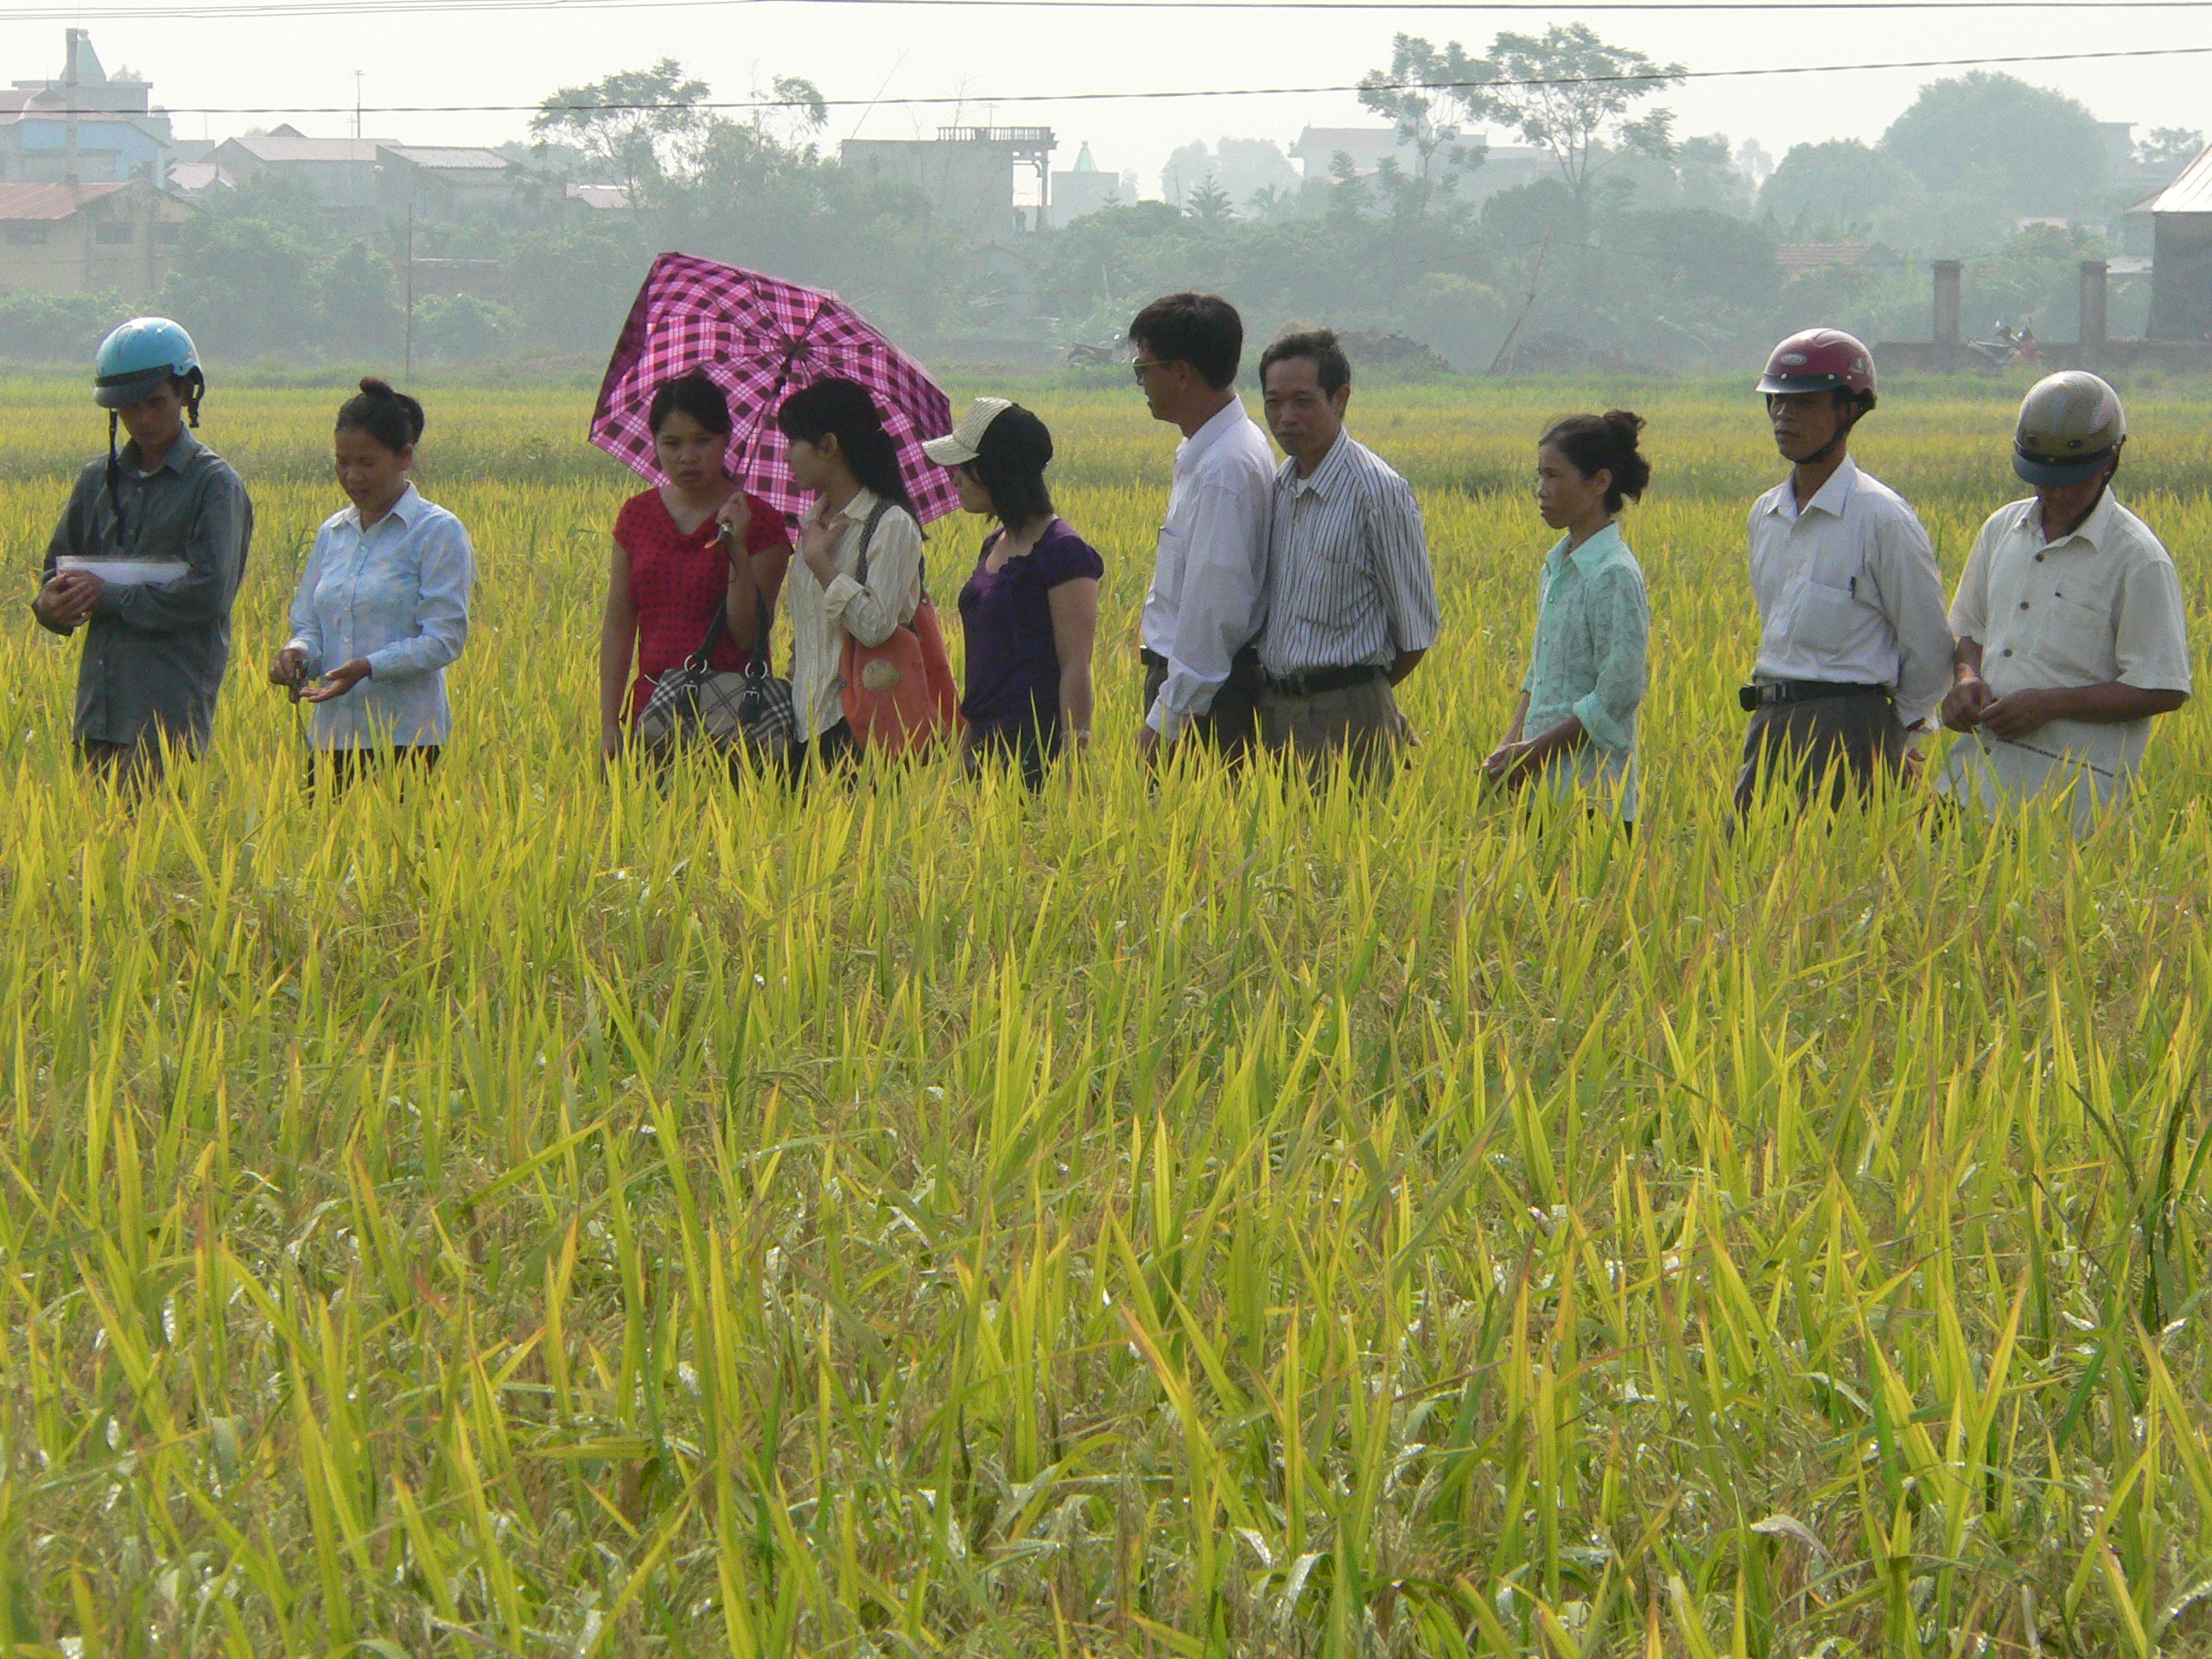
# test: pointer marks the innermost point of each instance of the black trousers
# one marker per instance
(1826, 750)
(1029, 744)
(1232, 723)
(344, 768)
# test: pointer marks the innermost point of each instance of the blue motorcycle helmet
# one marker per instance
(135, 361)
(137, 358)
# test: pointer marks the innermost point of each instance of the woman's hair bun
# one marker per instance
(385, 413)
(1605, 443)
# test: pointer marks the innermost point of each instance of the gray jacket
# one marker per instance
(156, 646)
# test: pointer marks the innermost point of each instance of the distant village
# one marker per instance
(96, 188)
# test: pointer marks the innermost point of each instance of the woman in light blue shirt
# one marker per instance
(382, 604)
(1590, 662)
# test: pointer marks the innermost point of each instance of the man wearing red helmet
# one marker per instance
(1855, 646)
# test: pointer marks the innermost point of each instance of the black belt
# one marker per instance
(1247, 659)
(1315, 681)
(1775, 693)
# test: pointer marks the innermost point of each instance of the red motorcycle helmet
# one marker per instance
(1822, 360)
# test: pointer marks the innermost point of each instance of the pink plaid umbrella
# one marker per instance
(762, 339)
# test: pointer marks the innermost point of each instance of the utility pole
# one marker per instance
(410, 287)
(69, 93)
(356, 106)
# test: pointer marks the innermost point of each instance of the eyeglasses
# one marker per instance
(1142, 367)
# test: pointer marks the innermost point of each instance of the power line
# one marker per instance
(970, 99)
(262, 9)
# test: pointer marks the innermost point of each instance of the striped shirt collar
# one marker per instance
(1322, 479)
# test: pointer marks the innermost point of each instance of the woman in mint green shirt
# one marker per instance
(1588, 667)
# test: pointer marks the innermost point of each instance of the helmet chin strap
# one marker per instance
(114, 475)
(1842, 436)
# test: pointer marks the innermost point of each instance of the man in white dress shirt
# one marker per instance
(2070, 620)
(1208, 597)
(1854, 648)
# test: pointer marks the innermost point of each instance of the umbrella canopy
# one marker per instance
(761, 338)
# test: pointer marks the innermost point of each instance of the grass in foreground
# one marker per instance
(533, 1216)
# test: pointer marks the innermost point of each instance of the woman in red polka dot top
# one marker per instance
(673, 563)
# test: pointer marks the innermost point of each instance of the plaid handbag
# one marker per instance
(693, 703)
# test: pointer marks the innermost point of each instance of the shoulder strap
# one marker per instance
(868, 535)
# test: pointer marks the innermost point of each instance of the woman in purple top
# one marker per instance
(1030, 612)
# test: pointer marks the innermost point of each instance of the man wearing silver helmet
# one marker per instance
(2069, 619)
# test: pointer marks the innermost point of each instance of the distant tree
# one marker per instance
(2041, 149)
(1413, 95)
(242, 285)
(1240, 166)
(572, 281)
(2169, 148)
(1565, 91)
(793, 112)
(462, 328)
(1839, 183)
(1754, 163)
(358, 292)
(639, 123)
(1210, 203)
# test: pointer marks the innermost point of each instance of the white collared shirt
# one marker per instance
(1208, 580)
(1848, 592)
(821, 617)
(398, 595)
(2099, 604)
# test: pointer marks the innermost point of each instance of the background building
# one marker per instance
(342, 172)
(2181, 266)
(82, 126)
(1085, 190)
(968, 176)
(77, 239)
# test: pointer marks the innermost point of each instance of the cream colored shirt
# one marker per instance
(2099, 605)
(1848, 592)
(821, 617)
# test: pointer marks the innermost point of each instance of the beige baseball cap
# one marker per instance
(964, 443)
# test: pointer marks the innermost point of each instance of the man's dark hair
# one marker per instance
(1201, 329)
(1320, 347)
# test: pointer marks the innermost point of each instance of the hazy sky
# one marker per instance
(451, 55)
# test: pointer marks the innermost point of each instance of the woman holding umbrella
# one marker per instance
(672, 565)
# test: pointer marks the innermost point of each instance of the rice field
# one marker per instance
(532, 1216)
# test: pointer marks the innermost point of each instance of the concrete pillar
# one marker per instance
(1947, 299)
(2094, 312)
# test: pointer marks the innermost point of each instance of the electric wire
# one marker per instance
(971, 99)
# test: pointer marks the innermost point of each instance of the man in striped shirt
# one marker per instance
(1351, 600)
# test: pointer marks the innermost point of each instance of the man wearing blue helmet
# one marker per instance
(2069, 619)
(147, 560)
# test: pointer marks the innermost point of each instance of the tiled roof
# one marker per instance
(272, 147)
(441, 158)
(23, 202)
(2189, 194)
